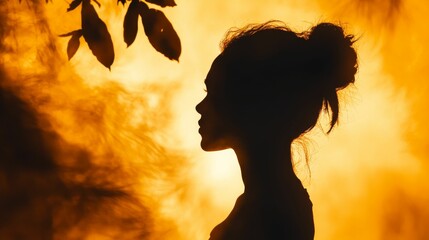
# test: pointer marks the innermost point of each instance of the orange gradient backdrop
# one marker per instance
(367, 179)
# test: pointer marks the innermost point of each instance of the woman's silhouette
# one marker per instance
(266, 88)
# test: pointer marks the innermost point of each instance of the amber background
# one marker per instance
(367, 179)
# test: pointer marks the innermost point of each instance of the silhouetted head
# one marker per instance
(270, 82)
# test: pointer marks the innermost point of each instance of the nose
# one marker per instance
(199, 107)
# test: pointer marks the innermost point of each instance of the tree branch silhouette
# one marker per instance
(157, 27)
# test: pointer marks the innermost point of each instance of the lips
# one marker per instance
(200, 123)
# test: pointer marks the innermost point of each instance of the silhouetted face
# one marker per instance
(215, 123)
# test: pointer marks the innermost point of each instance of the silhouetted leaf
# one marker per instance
(163, 3)
(143, 7)
(74, 4)
(74, 43)
(96, 35)
(130, 22)
(160, 32)
(122, 1)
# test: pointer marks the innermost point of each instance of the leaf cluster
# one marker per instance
(157, 28)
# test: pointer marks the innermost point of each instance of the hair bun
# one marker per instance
(336, 59)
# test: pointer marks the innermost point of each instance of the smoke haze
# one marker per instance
(88, 153)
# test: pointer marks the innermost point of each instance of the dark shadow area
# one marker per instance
(71, 164)
(50, 189)
(266, 89)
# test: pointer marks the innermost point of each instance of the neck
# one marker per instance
(266, 166)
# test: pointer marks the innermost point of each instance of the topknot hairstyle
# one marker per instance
(310, 66)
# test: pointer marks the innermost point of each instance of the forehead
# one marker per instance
(216, 75)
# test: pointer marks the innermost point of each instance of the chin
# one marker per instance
(211, 145)
(209, 148)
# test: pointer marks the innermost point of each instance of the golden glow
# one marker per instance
(368, 177)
